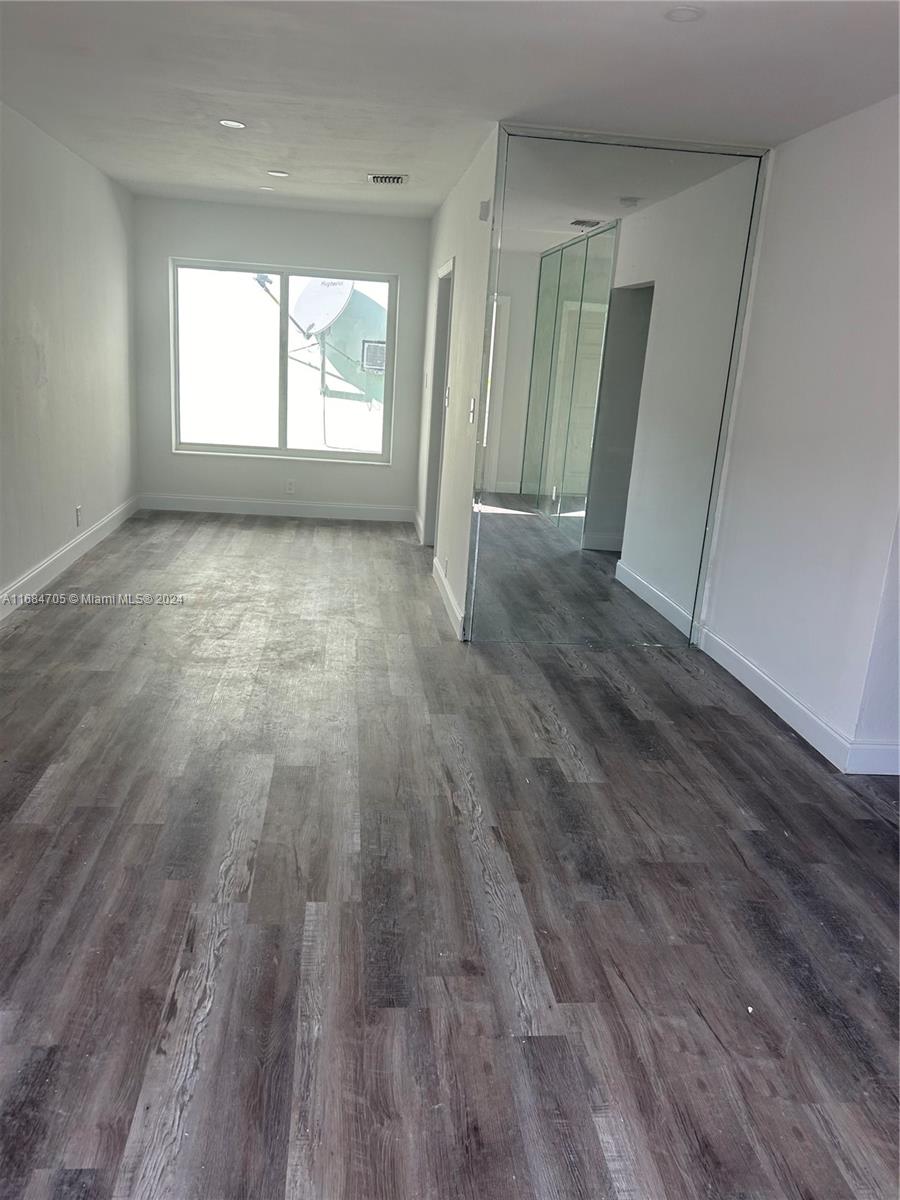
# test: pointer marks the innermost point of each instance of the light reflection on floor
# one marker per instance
(507, 512)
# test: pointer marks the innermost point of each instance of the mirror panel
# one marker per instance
(588, 358)
(541, 361)
(620, 279)
(562, 373)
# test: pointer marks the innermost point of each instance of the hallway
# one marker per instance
(300, 899)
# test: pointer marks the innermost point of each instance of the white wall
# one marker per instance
(279, 237)
(691, 247)
(809, 496)
(518, 280)
(66, 428)
(457, 233)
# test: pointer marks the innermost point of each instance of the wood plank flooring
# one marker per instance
(300, 899)
(535, 584)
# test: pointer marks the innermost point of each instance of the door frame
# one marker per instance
(496, 387)
(439, 398)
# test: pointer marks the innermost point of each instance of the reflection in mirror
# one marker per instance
(582, 405)
(562, 373)
(619, 281)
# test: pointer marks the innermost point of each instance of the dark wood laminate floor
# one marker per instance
(535, 584)
(299, 898)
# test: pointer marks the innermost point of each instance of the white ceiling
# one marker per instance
(550, 183)
(331, 91)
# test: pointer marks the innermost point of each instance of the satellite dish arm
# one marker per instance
(264, 281)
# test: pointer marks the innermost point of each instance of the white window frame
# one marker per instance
(282, 450)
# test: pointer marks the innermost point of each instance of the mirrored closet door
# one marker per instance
(619, 278)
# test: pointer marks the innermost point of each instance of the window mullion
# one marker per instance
(283, 361)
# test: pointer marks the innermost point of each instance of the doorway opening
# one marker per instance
(618, 401)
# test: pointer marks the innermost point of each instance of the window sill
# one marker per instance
(280, 455)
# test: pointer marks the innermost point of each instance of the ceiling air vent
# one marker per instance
(389, 180)
(584, 223)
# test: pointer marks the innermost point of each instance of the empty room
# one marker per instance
(449, 600)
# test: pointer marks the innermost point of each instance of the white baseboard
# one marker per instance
(600, 539)
(674, 613)
(853, 758)
(873, 758)
(454, 610)
(280, 508)
(420, 527)
(39, 577)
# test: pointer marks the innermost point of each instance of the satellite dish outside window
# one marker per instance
(320, 304)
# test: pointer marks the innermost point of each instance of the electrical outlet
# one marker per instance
(77, 516)
(289, 488)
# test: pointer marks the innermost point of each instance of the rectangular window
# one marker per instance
(281, 362)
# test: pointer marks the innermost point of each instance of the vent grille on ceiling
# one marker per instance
(389, 180)
(584, 223)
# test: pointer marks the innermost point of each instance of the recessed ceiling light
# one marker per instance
(278, 174)
(232, 124)
(685, 12)
(264, 187)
